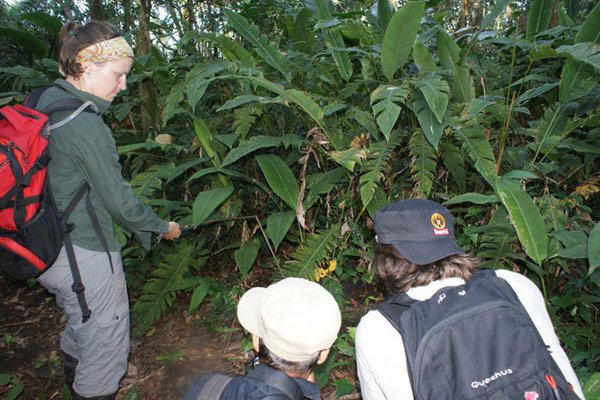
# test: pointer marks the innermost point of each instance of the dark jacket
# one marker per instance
(248, 388)
(84, 151)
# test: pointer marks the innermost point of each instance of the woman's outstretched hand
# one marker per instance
(174, 231)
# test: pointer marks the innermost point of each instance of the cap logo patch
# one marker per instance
(439, 225)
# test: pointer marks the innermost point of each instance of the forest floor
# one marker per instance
(163, 362)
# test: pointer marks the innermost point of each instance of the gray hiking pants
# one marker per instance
(101, 345)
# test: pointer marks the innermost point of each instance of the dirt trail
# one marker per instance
(30, 325)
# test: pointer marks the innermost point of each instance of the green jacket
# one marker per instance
(84, 151)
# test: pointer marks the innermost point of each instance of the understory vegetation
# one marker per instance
(273, 131)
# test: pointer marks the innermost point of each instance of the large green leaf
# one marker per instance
(587, 53)
(475, 198)
(232, 51)
(26, 40)
(480, 151)
(384, 101)
(431, 127)
(299, 27)
(399, 37)
(278, 225)
(204, 136)
(525, 217)
(423, 59)
(207, 202)
(334, 39)
(199, 294)
(385, 12)
(461, 84)
(577, 78)
(591, 389)
(593, 249)
(198, 79)
(49, 23)
(265, 49)
(260, 142)
(454, 161)
(172, 107)
(280, 178)
(436, 92)
(589, 31)
(246, 255)
(297, 97)
(538, 17)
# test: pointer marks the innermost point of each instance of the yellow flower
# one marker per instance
(332, 265)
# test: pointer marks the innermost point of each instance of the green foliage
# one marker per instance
(385, 102)
(312, 254)
(399, 37)
(160, 290)
(539, 17)
(13, 383)
(334, 39)
(526, 219)
(318, 113)
(266, 50)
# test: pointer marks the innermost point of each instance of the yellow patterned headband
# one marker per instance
(108, 50)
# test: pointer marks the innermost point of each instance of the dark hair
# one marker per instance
(299, 369)
(75, 37)
(399, 274)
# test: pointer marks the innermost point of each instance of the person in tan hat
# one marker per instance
(293, 324)
(448, 331)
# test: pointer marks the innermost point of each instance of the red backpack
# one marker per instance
(32, 229)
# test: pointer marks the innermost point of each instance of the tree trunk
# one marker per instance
(191, 15)
(96, 10)
(464, 14)
(174, 17)
(148, 110)
(127, 16)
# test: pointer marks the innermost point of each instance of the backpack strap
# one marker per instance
(77, 286)
(214, 387)
(278, 380)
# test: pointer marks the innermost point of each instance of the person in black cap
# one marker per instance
(418, 258)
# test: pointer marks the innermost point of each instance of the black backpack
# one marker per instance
(475, 341)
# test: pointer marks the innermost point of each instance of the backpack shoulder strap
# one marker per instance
(278, 380)
(393, 307)
(214, 387)
(33, 98)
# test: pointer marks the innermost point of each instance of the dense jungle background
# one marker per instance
(273, 130)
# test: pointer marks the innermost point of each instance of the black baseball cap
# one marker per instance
(421, 230)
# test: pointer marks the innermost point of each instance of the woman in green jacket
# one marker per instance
(95, 61)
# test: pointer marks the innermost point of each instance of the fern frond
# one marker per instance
(245, 118)
(312, 254)
(146, 183)
(160, 290)
(423, 163)
(478, 147)
(373, 168)
(589, 187)
(495, 241)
